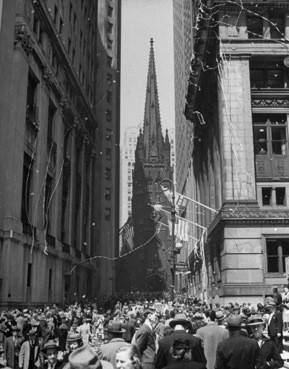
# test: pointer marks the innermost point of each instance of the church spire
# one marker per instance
(152, 132)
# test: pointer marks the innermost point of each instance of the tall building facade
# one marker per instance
(148, 266)
(50, 151)
(127, 154)
(238, 158)
(108, 112)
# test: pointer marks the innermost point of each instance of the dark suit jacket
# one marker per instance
(11, 349)
(238, 352)
(165, 344)
(276, 324)
(185, 364)
(145, 341)
(270, 353)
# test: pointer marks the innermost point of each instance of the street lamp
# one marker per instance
(174, 250)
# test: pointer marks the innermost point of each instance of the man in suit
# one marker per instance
(180, 324)
(145, 339)
(269, 352)
(29, 352)
(108, 350)
(211, 335)
(238, 351)
(275, 324)
(12, 348)
(50, 351)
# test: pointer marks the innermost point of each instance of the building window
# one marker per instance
(50, 279)
(266, 196)
(254, 26)
(108, 134)
(47, 202)
(109, 27)
(109, 61)
(277, 25)
(108, 97)
(109, 11)
(26, 187)
(29, 274)
(267, 74)
(107, 173)
(108, 115)
(61, 26)
(108, 153)
(277, 251)
(107, 194)
(109, 44)
(270, 134)
(107, 213)
(69, 46)
(109, 79)
(55, 15)
(280, 196)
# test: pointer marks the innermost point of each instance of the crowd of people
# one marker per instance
(146, 332)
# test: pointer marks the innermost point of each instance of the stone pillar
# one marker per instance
(235, 120)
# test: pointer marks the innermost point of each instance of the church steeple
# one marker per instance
(152, 132)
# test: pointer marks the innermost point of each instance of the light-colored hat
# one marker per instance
(235, 321)
(86, 358)
(255, 320)
(180, 319)
(220, 315)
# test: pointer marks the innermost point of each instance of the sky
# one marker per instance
(141, 21)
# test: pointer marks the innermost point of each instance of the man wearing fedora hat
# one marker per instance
(144, 339)
(238, 351)
(275, 324)
(211, 335)
(86, 358)
(269, 352)
(29, 352)
(114, 333)
(12, 348)
(50, 351)
(180, 324)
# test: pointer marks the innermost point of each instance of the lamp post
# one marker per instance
(173, 250)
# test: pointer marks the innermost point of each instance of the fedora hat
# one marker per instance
(198, 316)
(180, 319)
(235, 321)
(50, 344)
(73, 337)
(86, 358)
(220, 315)
(270, 302)
(115, 326)
(255, 320)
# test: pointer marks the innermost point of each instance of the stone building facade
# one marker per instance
(237, 105)
(50, 152)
